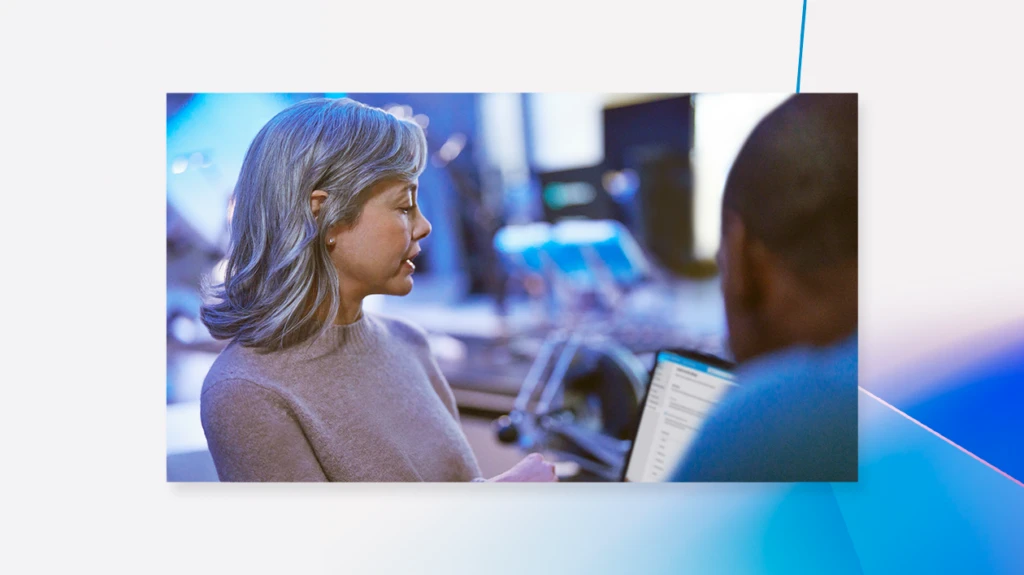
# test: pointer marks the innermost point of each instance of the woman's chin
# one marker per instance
(401, 286)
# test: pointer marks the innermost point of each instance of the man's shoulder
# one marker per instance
(801, 366)
(793, 418)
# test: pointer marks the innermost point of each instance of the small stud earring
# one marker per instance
(330, 242)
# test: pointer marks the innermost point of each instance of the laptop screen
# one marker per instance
(681, 393)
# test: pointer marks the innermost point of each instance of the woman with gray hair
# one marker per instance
(311, 388)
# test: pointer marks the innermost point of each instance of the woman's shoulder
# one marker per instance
(237, 363)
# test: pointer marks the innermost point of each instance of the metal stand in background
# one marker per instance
(578, 404)
(580, 400)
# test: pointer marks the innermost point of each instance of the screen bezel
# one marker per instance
(707, 359)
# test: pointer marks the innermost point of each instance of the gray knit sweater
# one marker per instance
(366, 402)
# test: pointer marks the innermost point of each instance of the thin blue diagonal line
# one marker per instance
(800, 61)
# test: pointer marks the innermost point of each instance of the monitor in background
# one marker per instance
(652, 141)
(634, 132)
(577, 194)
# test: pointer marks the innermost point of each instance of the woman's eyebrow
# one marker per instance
(401, 194)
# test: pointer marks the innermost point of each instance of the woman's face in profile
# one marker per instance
(375, 255)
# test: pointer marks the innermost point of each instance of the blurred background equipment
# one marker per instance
(578, 404)
(567, 229)
(584, 386)
(654, 139)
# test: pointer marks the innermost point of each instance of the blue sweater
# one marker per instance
(793, 418)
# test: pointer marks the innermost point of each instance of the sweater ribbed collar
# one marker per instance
(357, 337)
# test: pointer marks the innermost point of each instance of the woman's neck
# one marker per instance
(350, 310)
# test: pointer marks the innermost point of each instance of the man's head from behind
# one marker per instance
(788, 254)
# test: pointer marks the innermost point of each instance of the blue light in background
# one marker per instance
(220, 127)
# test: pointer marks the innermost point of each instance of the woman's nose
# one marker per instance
(422, 228)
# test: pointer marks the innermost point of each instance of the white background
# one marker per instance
(82, 239)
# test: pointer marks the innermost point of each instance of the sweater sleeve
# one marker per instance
(254, 436)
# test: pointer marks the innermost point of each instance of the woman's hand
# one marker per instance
(533, 468)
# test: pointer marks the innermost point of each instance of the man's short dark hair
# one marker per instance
(794, 182)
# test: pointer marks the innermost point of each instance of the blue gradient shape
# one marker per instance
(924, 506)
(981, 408)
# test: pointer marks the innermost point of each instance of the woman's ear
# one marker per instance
(315, 200)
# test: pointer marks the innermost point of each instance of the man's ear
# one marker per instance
(757, 276)
(316, 199)
(737, 267)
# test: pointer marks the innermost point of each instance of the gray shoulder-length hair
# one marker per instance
(280, 287)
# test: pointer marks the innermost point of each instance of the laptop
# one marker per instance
(684, 387)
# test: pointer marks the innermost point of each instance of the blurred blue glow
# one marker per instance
(610, 241)
(567, 245)
(578, 232)
(220, 127)
(519, 238)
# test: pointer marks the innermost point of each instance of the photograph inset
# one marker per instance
(512, 287)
